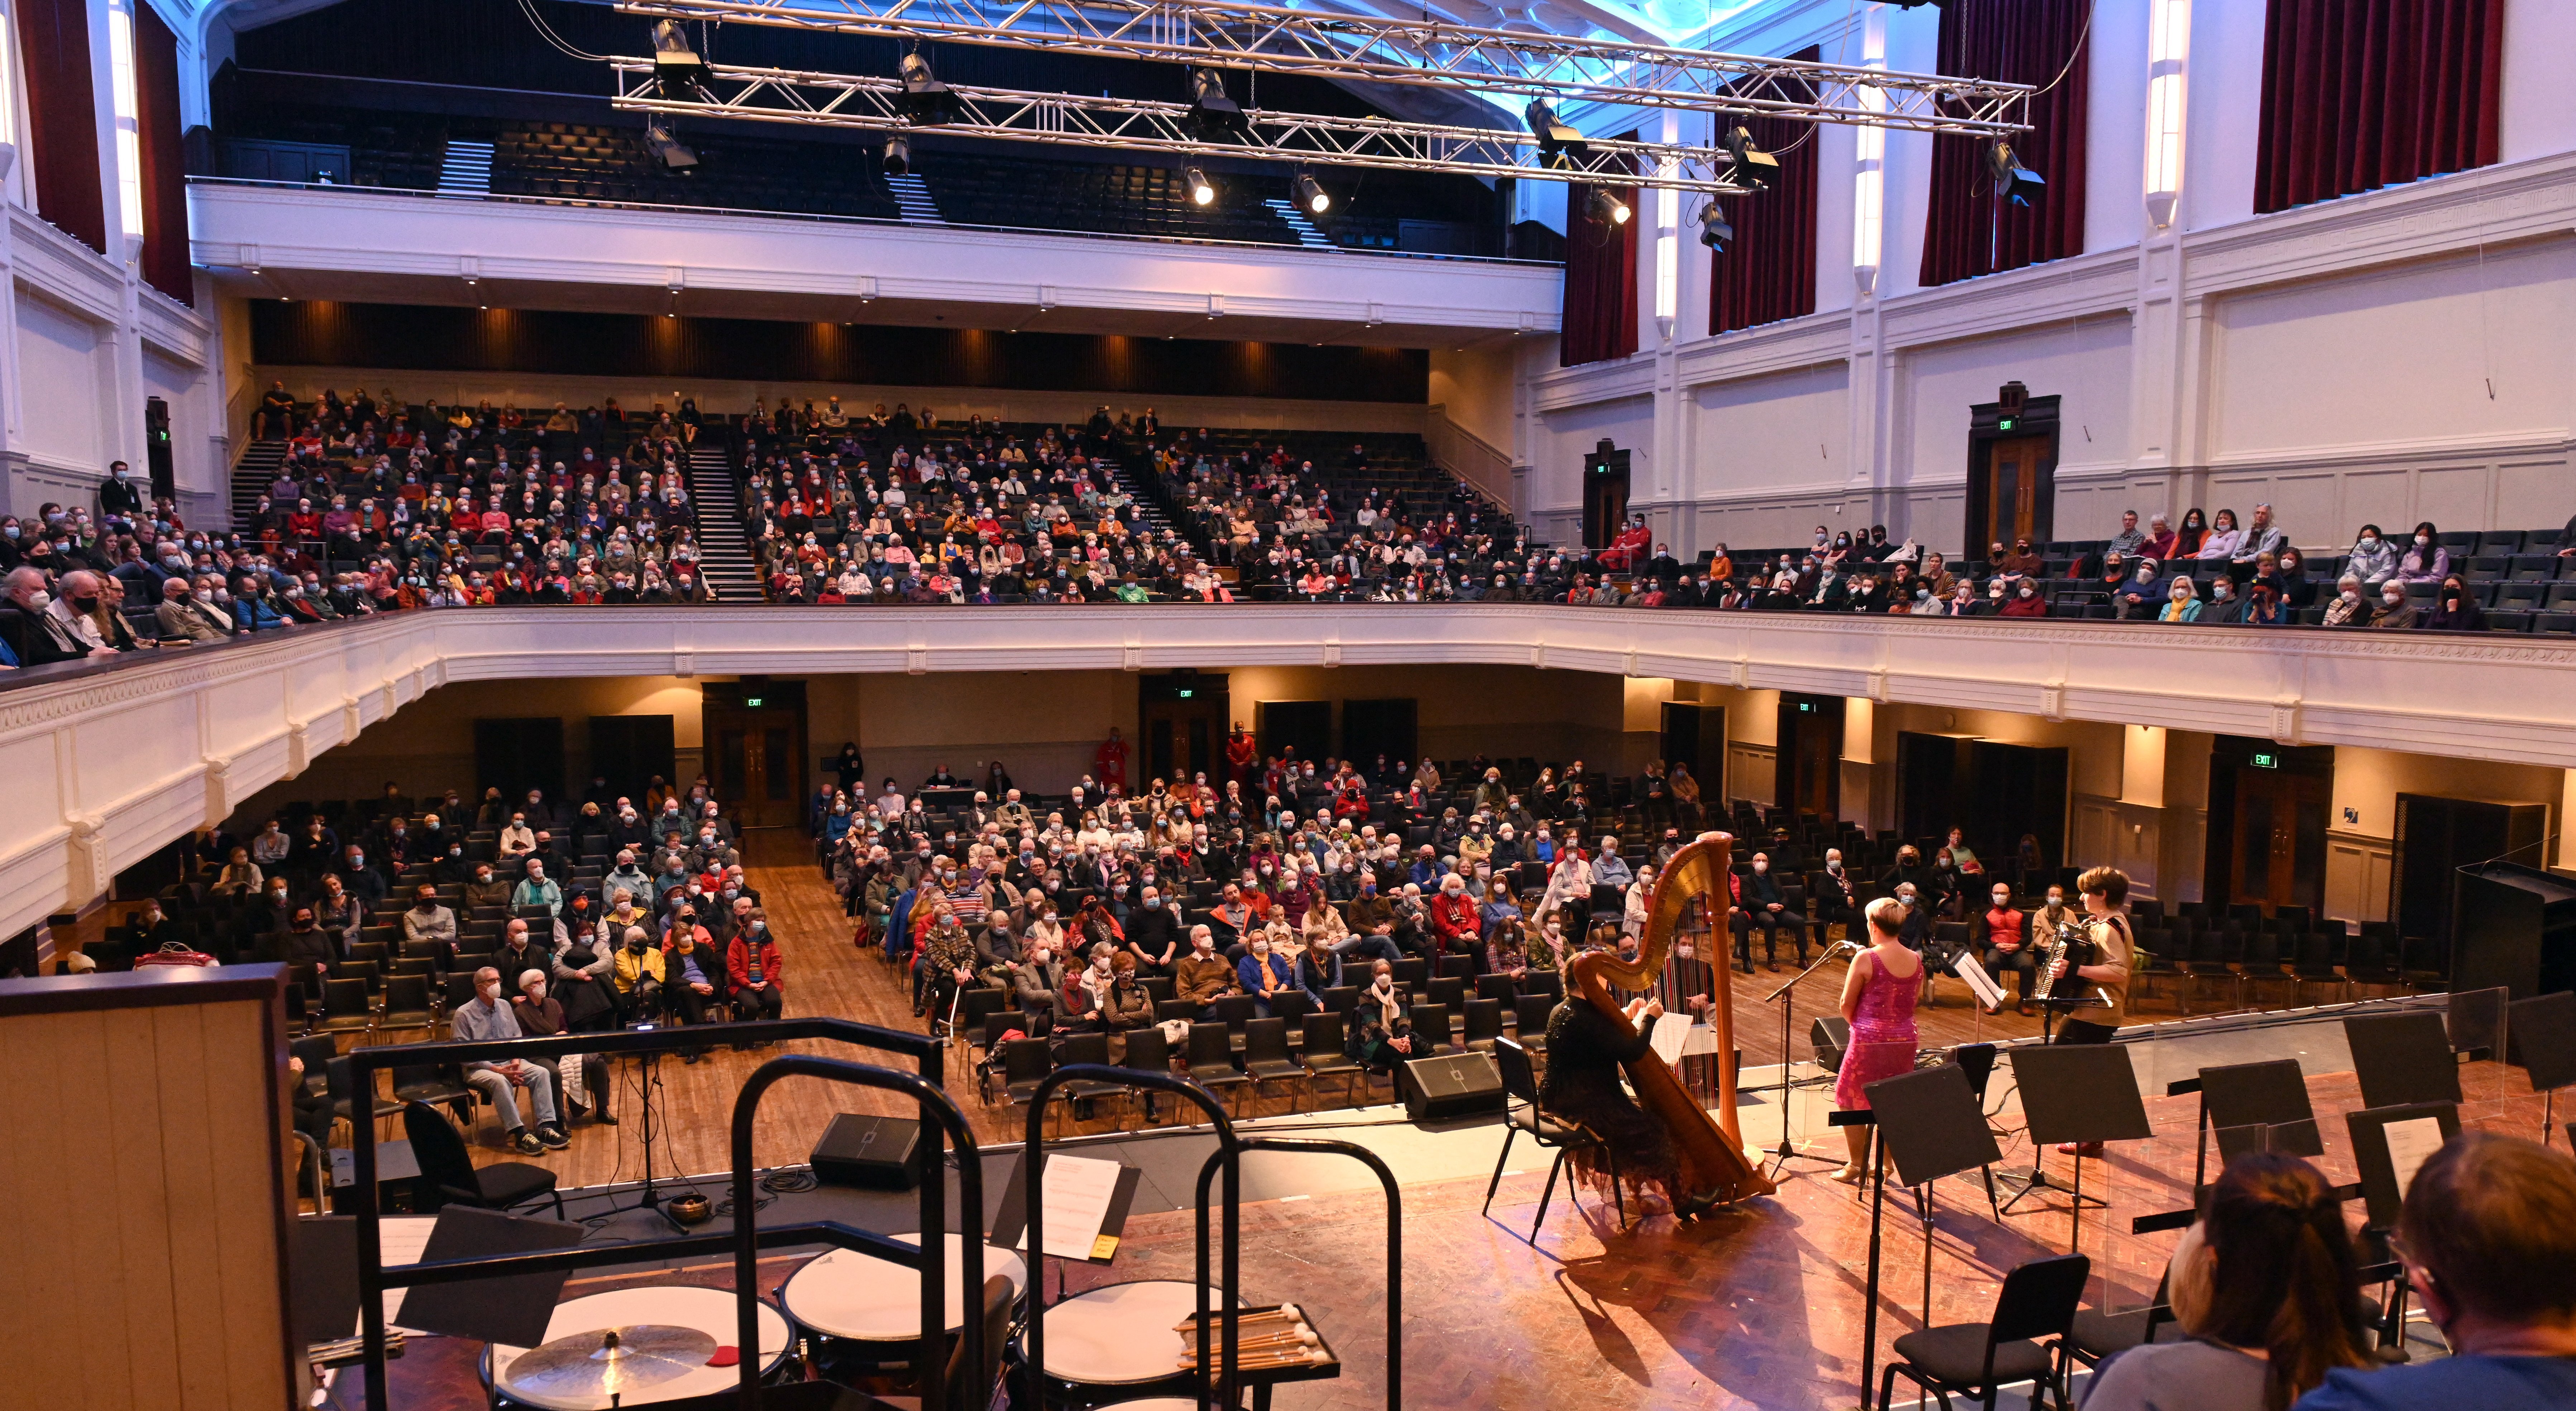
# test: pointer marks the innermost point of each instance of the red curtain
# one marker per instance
(53, 41)
(1600, 313)
(1968, 232)
(1768, 271)
(165, 177)
(2365, 93)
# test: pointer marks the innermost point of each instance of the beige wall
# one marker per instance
(1474, 385)
(2363, 816)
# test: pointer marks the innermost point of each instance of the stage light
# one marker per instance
(676, 66)
(1214, 117)
(1714, 232)
(1202, 191)
(1608, 208)
(2012, 180)
(898, 155)
(1557, 143)
(1754, 169)
(925, 101)
(1312, 196)
(666, 148)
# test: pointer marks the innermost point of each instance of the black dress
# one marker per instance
(1585, 1049)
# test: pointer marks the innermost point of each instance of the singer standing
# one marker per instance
(1878, 1004)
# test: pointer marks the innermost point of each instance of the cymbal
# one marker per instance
(595, 1366)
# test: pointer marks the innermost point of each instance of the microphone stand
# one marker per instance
(1788, 1150)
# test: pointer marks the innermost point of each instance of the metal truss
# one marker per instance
(1370, 48)
(1137, 125)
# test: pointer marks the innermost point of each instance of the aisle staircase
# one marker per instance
(252, 475)
(724, 556)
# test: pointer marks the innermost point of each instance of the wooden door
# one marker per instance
(756, 762)
(1808, 762)
(2280, 841)
(2016, 471)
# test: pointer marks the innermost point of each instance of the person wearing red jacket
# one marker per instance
(754, 966)
(1454, 924)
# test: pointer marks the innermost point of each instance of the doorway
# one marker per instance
(1605, 495)
(1375, 728)
(516, 755)
(1182, 718)
(1808, 765)
(755, 736)
(1695, 735)
(2268, 813)
(2012, 473)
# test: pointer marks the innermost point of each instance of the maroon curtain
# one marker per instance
(53, 41)
(1968, 232)
(2365, 93)
(1768, 271)
(1600, 314)
(165, 178)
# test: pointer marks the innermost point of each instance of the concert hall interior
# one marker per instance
(1787, 704)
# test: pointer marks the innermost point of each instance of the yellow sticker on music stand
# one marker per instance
(1105, 1247)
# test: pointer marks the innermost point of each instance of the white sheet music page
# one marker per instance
(2411, 1143)
(1076, 1192)
(1987, 991)
(1672, 1031)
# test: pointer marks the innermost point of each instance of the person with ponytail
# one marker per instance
(2267, 1286)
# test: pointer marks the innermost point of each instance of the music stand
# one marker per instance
(1931, 1125)
(2476, 1022)
(2079, 1093)
(1786, 995)
(514, 1308)
(2402, 1058)
(2542, 1030)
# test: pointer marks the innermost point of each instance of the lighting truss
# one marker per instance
(1327, 44)
(1139, 125)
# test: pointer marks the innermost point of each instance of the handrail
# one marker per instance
(361, 1065)
(928, 1368)
(1394, 1243)
(1228, 1145)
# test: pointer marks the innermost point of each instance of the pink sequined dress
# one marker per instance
(1882, 1036)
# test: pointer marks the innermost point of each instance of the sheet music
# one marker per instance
(1987, 991)
(2411, 1143)
(1671, 1032)
(402, 1238)
(1076, 1192)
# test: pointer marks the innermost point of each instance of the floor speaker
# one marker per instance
(1457, 1085)
(878, 1153)
(1830, 1035)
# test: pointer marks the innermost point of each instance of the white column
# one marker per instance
(2157, 335)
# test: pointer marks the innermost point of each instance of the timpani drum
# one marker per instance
(846, 1294)
(1121, 1334)
(710, 1311)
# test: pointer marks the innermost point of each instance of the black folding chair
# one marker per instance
(1522, 1114)
(1979, 1359)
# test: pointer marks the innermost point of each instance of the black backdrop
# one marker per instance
(322, 333)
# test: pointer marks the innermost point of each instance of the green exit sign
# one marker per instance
(751, 702)
(2265, 759)
(2004, 425)
(1185, 693)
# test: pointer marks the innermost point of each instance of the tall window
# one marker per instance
(1968, 231)
(2366, 93)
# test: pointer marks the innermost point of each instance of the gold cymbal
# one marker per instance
(591, 1368)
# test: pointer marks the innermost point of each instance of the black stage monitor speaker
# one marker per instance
(1459, 1085)
(1829, 1036)
(878, 1153)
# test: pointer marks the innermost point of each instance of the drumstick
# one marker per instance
(1311, 1357)
(1286, 1312)
(1302, 1337)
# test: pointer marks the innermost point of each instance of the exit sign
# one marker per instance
(2265, 759)
(2004, 425)
(751, 702)
(1184, 693)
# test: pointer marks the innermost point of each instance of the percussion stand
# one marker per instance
(1788, 1150)
(648, 1197)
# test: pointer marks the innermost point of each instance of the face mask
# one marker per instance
(357, 859)
(1760, 867)
(2370, 541)
(2393, 599)
(2222, 592)
(2029, 593)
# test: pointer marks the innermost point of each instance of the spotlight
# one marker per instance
(666, 148)
(1556, 141)
(925, 101)
(1714, 232)
(1202, 192)
(2012, 179)
(1214, 117)
(1754, 169)
(1311, 195)
(676, 66)
(1607, 208)
(898, 155)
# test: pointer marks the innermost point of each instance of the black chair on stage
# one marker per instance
(1325, 1037)
(448, 1173)
(1148, 1051)
(1521, 1114)
(2036, 1302)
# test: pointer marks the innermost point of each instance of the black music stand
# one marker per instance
(1787, 1151)
(2248, 1107)
(2080, 1093)
(1931, 1125)
(513, 1308)
(2476, 1022)
(2541, 1033)
(2402, 1058)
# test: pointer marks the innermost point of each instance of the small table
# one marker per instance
(394, 1162)
(847, 1294)
(710, 1311)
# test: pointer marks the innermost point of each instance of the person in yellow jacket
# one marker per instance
(638, 975)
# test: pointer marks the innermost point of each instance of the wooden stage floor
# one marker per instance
(1761, 1306)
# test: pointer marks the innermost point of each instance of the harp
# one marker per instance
(1710, 1148)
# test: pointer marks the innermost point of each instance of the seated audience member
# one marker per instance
(2395, 611)
(541, 1016)
(2000, 938)
(2455, 609)
(1266, 971)
(1203, 977)
(2266, 1284)
(637, 971)
(538, 891)
(2025, 601)
(487, 1018)
(1130, 1006)
(689, 972)
(2372, 559)
(2488, 1237)
(42, 635)
(2182, 601)
(2350, 606)
(755, 969)
(2424, 560)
